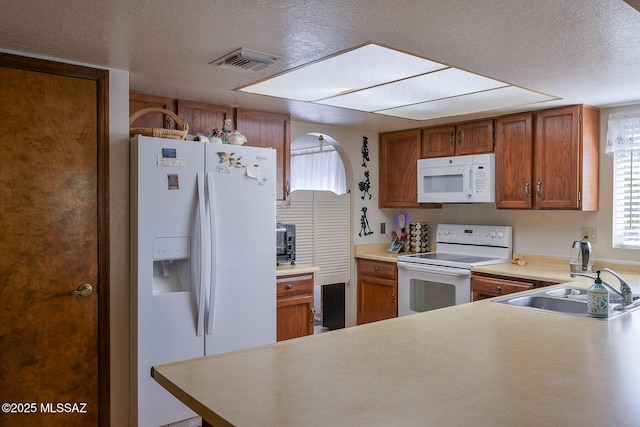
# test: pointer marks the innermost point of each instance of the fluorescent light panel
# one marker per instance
(382, 80)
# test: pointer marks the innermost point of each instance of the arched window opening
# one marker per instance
(316, 164)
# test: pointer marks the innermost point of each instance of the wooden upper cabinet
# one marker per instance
(474, 137)
(140, 101)
(514, 161)
(399, 153)
(438, 142)
(271, 130)
(462, 139)
(566, 158)
(203, 117)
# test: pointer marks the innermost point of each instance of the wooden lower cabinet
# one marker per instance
(377, 290)
(295, 311)
(489, 286)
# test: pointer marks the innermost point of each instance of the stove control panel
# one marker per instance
(482, 235)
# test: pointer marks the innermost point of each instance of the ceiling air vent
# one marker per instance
(245, 60)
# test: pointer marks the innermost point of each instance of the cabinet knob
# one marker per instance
(289, 286)
(499, 288)
(377, 268)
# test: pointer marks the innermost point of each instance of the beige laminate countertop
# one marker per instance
(480, 364)
(288, 270)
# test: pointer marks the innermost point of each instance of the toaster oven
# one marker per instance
(285, 244)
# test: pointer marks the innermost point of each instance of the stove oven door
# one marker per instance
(424, 287)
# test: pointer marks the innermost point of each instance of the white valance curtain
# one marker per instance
(623, 132)
(318, 170)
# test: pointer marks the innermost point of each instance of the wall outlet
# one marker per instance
(383, 227)
(590, 233)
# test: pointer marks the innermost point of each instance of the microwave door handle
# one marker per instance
(470, 187)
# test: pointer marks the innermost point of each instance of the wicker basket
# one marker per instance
(180, 133)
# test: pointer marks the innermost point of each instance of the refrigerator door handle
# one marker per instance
(214, 248)
(201, 289)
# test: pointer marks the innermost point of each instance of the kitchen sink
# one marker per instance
(565, 300)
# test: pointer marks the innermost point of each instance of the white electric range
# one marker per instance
(432, 280)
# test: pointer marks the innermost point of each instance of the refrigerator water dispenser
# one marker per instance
(171, 264)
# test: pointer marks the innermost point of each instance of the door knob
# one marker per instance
(83, 291)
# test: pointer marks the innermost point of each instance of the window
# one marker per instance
(318, 168)
(623, 140)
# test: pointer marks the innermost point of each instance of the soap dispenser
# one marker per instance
(598, 298)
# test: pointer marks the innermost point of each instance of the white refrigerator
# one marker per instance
(203, 260)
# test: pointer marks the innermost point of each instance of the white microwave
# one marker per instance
(458, 179)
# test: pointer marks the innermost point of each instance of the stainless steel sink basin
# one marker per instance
(564, 300)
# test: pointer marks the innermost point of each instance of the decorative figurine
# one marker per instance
(365, 185)
(364, 224)
(365, 151)
(229, 136)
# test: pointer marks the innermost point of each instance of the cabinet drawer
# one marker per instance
(293, 285)
(378, 268)
(489, 285)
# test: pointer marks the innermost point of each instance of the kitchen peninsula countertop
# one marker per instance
(480, 364)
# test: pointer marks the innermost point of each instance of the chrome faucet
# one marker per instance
(624, 292)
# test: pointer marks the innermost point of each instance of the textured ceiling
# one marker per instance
(584, 51)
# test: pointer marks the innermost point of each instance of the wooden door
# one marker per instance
(474, 137)
(398, 173)
(557, 158)
(438, 142)
(514, 161)
(53, 212)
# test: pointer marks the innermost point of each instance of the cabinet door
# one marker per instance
(294, 318)
(272, 130)
(398, 169)
(203, 117)
(557, 158)
(377, 298)
(474, 137)
(140, 101)
(438, 142)
(514, 161)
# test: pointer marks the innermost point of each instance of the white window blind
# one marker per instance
(623, 140)
(323, 233)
